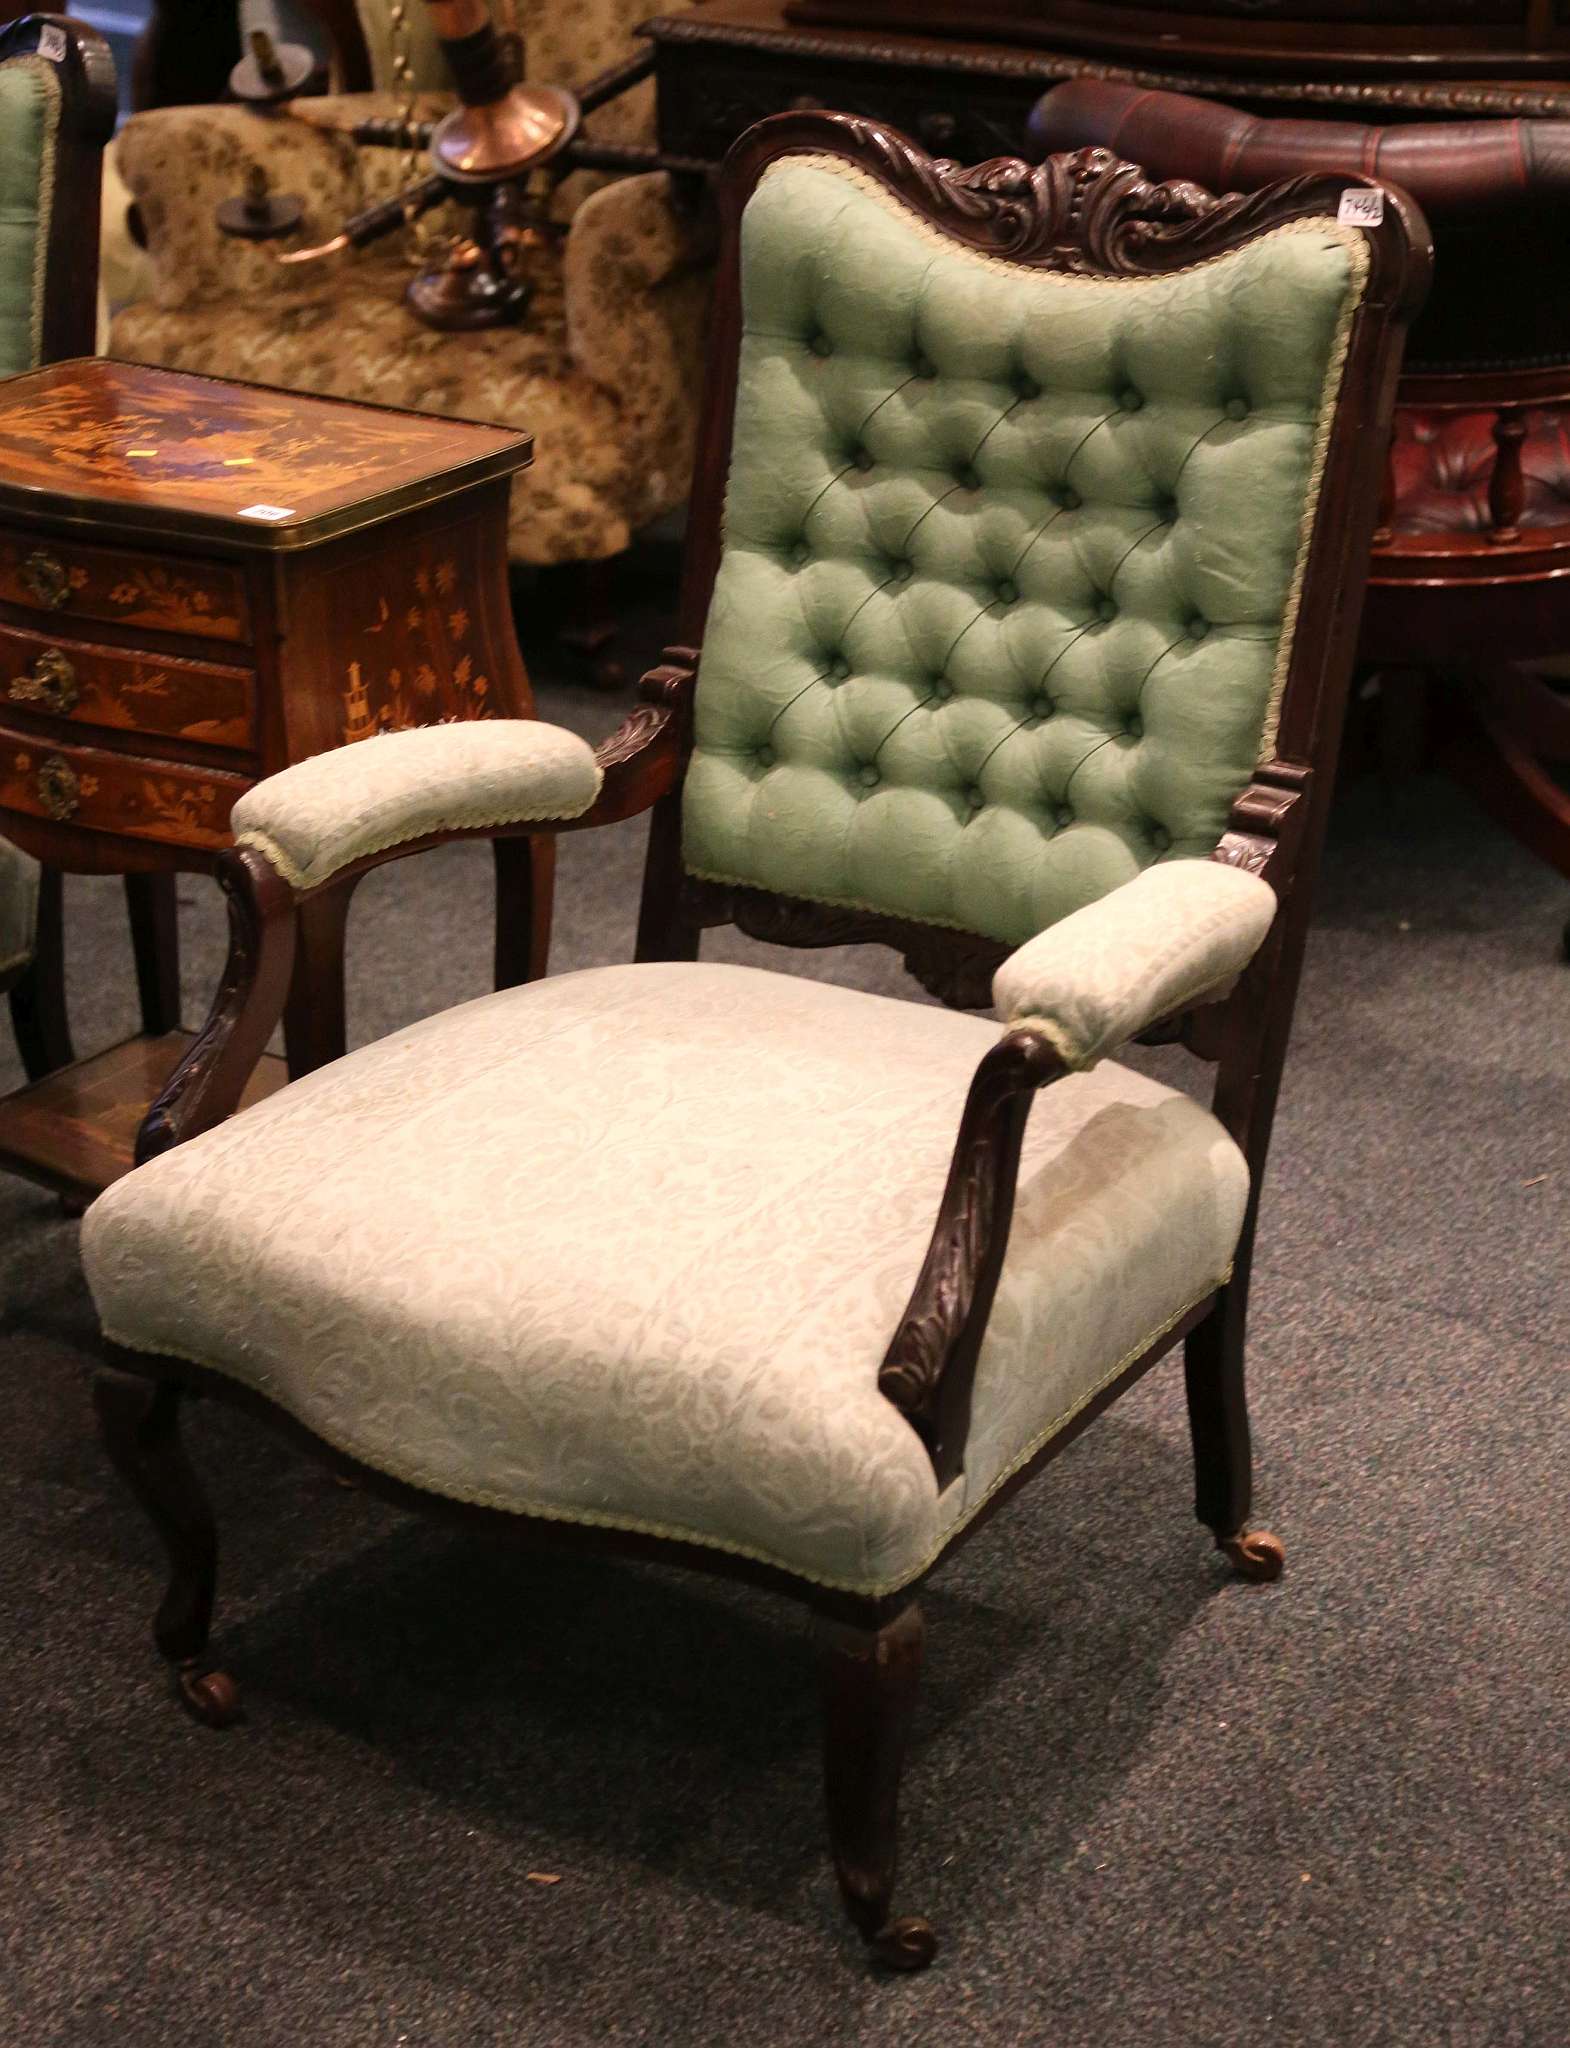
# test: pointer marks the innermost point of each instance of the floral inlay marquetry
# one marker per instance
(206, 599)
(417, 672)
(137, 435)
(117, 793)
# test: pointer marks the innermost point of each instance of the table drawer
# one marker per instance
(118, 793)
(206, 703)
(172, 595)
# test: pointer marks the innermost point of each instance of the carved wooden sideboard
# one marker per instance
(729, 63)
(201, 583)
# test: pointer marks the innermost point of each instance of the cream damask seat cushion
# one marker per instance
(627, 1247)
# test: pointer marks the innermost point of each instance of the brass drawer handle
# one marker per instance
(52, 683)
(45, 576)
(58, 789)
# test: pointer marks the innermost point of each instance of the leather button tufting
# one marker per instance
(900, 572)
(861, 458)
(836, 667)
(1131, 400)
(1106, 609)
(942, 690)
(1237, 408)
(1006, 590)
(1067, 499)
(1134, 726)
(820, 344)
(765, 756)
(868, 776)
(967, 479)
(1064, 814)
(799, 554)
(1025, 386)
(1041, 705)
(1198, 627)
(974, 800)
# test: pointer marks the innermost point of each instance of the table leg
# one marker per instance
(525, 890)
(314, 1015)
(38, 1012)
(153, 908)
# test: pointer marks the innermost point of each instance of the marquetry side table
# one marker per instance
(200, 583)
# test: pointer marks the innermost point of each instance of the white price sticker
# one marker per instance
(51, 43)
(266, 511)
(1361, 207)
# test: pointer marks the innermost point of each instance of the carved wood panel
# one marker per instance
(118, 793)
(205, 703)
(68, 579)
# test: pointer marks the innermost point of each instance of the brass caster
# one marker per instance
(1254, 1554)
(212, 1697)
(907, 1944)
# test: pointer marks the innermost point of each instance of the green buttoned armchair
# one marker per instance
(1021, 594)
(57, 108)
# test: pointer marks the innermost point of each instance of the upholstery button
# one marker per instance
(1067, 499)
(799, 554)
(820, 344)
(1198, 627)
(861, 458)
(1166, 510)
(1064, 814)
(1006, 590)
(900, 572)
(1106, 609)
(1237, 408)
(1134, 726)
(836, 666)
(1041, 705)
(974, 800)
(921, 366)
(966, 478)
(1131, 400)
(868, 776)
(1160, 838)
(942, 690)
(765, 756)
(1026, 386)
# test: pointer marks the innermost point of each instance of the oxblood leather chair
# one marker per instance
(1471, 562)
(1025, 635)
(57, 109)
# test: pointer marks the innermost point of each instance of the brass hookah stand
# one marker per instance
(485, 154)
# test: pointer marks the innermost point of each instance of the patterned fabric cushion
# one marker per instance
(325, 813)
(627, 1247)
(18, 908)
(604, 373)
(29, 119)
(1098, 977)
(1010, 564)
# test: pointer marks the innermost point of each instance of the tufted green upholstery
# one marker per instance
(29, 118)
(1010, 557)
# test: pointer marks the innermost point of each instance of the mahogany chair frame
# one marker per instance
(1087, 213)
(85, 71)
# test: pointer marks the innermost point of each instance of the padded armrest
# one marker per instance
(319, 817)
(1178, 931)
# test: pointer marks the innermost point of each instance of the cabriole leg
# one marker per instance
(139, 1418)
(870, 1680)
(1218, 1422)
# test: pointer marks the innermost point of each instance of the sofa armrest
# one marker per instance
(178, 163)
(337, 809)
(1179, 933)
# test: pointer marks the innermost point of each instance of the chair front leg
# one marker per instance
(870, 1680)
(139, 1419)
(1218, 1424)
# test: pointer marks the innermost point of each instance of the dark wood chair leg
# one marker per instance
(38, 1012)
(869, 1695)
(139, 1419)
(314, 1017)
(525, 895)
(1218, 1424)
(663, 933)
(589, 630)
(153, 908)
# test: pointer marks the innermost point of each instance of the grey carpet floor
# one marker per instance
(1147, 1807)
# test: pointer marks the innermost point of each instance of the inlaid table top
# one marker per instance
(166, 452)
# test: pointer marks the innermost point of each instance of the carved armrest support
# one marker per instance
(930, 1366)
